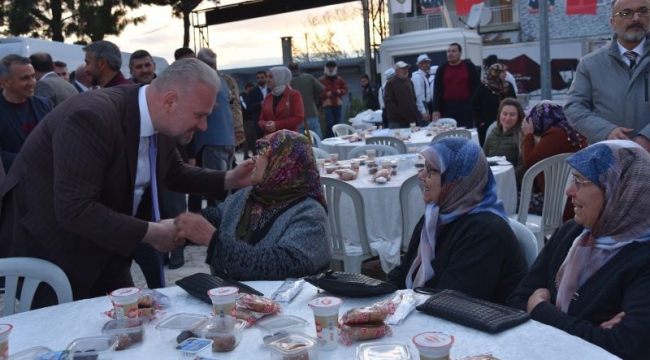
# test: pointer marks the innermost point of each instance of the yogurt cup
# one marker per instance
(5, 329)
(223, 300)
(125, 302)
(433, 345)
(326, 319)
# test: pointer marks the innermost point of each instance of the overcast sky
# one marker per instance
(239, 44)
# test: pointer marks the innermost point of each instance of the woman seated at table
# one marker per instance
(506, 137)
(488, 96)
(547, 133)
(592, 279)
(464, 241)
(282, 107)
(274, 229)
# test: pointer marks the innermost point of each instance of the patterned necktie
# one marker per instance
(632, 56)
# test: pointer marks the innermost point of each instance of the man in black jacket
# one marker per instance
(456, 81)
(255, 98)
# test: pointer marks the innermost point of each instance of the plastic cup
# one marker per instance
(5, 329)
(223, 300)
(125, 302)
(371, 153)
(412, 126)
(354, 165)
(326, 318)
(321, 165)
(334, 158)
(433, 345)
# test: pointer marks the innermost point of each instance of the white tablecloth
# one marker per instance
(342, 147)
(55, 327)
(383, 211)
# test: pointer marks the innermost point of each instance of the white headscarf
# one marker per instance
(282, 76)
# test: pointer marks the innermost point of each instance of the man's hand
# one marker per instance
(613, 321)
(540, 295)
(435, 116)
(527, 126)
(240, 176)
(620, 133)
(328, 94)
(270, 126)
(162, 236)
(195, 228)
(239, 135)
(426, 117)
(191, 162)
(643, 141)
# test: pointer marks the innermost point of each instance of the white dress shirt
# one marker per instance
(143, 172)
(639, 49)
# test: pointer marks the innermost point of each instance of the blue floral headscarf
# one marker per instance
(467, 187)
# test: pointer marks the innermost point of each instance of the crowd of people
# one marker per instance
(97, 179)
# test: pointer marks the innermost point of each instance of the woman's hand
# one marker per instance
(527, 126)
(613, 321)
(270, 126)
(195, 228)
(540, 295)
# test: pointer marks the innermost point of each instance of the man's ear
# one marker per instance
(170, 101)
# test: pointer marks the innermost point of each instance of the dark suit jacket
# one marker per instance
(69, 196)
(54, 88)
(255, 99)
(12, 135)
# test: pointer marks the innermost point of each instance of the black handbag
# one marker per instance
(478, 314)
(198, 285)
(349, 284)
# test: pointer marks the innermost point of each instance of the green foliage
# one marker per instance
(356, 106)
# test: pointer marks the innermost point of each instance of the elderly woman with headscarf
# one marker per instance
(275, 229)
(592, 279)
(464, 242)
(547, 133)
(282, 107)
(487, 97)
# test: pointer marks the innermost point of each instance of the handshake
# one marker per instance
(167, 234)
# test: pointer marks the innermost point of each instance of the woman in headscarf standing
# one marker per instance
(282, 107)
(592, 278)
(275, 229)
(547, 133)
(464, 241)
(487, 97)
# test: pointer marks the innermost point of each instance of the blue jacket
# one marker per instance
(221, 130)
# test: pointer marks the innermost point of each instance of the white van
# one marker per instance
(434, 43)
(70, 54)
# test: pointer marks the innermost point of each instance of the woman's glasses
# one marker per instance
(578, 182)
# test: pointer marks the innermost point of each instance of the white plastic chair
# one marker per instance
(446, 122)
(388, 140)
(410, 216)
(320, 153)
(333, 189)
(315, 139)
(556, 172)
(490, 128)
(382, 150)
(34, 271)
(343, 129)
(453, 133)
(527, 241)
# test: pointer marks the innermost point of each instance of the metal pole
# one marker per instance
(544, 51)
(366, 39)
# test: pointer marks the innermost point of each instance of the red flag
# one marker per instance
(463, 6)
(581, 7)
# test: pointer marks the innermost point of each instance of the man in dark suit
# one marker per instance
(87, 202)
(20, 109)
(255, 98)
(49, 84)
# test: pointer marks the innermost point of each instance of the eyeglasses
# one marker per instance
(578, 182)
(430, 171)
(629, 14)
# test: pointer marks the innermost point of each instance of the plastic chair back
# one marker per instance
(490, 128)
(315, 139)
(388, 140)
(333, 189)
(33, 271)
(556, 172)
(527, 241)
(446, 122)
(382, 150)
(410, 216)
(453, 133)
(320, 153)
(343, 129)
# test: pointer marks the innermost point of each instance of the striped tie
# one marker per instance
(632, 56)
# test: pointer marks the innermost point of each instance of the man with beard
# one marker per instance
(143, 69)
(91, 199)
(255, 99)
(332, 96)
(103, 63)
(610, 94)
(399, 98)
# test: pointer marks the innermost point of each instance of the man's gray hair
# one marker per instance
(186, 73)
(10, 60)
(207, 56)
(105, 50)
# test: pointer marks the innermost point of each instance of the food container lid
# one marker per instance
(325, 302)
(124, 326)
(433, 339)
(54, 355)
(30, 354)
(219, 326)
(92, 344)
(181, 322)
(383, 351)
(194, 345)
(291, 343)
(223, 291)
(125, 292)
(282, 323)
(4, 328)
